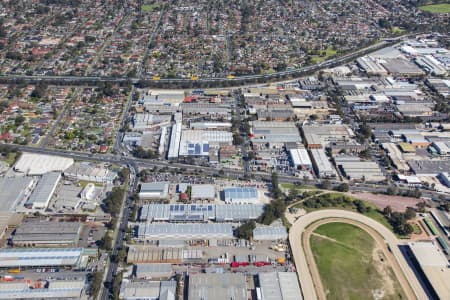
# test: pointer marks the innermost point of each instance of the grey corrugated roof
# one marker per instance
(44, 188)
(187, 231)
(200, 212)
(12, 190)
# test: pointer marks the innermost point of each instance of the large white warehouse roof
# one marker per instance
(38, 164)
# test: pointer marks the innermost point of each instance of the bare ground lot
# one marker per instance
(397, 203)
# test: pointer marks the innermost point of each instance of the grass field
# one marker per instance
(328, 53)
(371, 212)
(300, 187)
(347, 266)
(149, 7)
(10, 159)
(396, 29)
(442, 8)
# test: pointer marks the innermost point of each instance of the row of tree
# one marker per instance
(399, 220)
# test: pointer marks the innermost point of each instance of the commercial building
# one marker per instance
(175, 138)
(47, 233)
(241, 195)
(354, 168)
(146, 254)
(371, 66)
(163, 97)
(145, 121)
(198, 142)
(274, 133)
(434, 267)
(60, 289)
(43, 192)
(203, 192)
(40, 257)
(441, 86)
(90, 172)
(148, 290)
(431, 65)
(279, 286)
(154, 190)
(322, 164)
(154, 271)
(269, 233)
(217, 287)
(395, 156)
(442, 147)
(38, 164)
(68, 198)
(185, 231)
(207, 109)
(445, 178)
(238, 212)
(401, 66)
(320, 136)
(429, 167)
(300, 159)
(200, 212)
(14, 190)
(210, 125)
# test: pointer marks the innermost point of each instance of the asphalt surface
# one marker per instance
(207, 171)
(238, 81)
(122, 225)
(300, 256)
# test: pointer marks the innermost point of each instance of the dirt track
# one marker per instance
(379, 241)
(309, 278)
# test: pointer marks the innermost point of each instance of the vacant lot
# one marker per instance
(397, 203)
(442, 8)
(351, 265)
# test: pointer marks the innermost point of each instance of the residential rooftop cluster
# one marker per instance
(75, 38)
(27, 112)
(214, 39)
(91, 120)
(191, 38)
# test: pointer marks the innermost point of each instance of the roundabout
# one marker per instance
(385, 241)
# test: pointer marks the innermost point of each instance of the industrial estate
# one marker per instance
(224, 150)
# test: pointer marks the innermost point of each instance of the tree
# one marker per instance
(96, 279)
(39, 90)
(445, 205)
(360, 206)
(121, 255)
(19, 120)
(421, 206)
(245, 231)
(410, 213)
(124, 174)
(365, 154)
(387, 211)
(392, 190)
(343, 187)
(106, 242)
(275, 185)
(117, 281)
(325, 184)
(272, 211)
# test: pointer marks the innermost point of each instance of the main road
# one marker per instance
(307, 283)
(210, 171)
(213, 81)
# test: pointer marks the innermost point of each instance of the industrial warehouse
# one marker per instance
(38, 257)
(45, 233)
(186, 231)
(200, 212)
